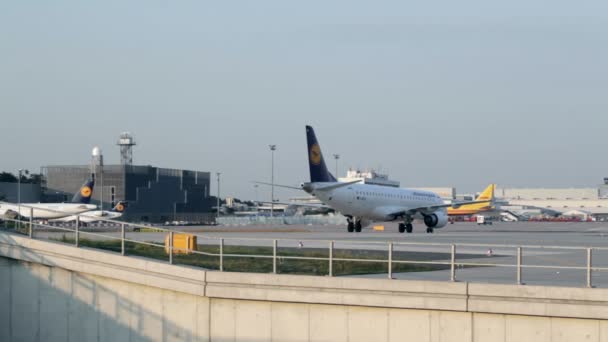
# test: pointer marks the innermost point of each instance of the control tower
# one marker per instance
(126, 143)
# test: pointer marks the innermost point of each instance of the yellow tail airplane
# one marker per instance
(472, 209)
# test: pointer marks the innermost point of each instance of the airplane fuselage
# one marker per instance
(46, 210)
(373, 202)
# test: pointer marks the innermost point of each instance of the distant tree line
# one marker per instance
(26, 178)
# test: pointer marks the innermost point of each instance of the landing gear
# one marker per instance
(406, 226)
(409, 227)
(429, 230)
(354, 225)
(358, 226)
(351, 226)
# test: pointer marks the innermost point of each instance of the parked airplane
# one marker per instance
(363, 204)
(486, 199)
(97, 215)
(79, 204)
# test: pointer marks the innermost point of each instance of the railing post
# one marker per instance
(274, 256)
(453, 264)
(171, 247)
(390, 260)
(77, 232)
(331, 258)
(589, 269)
(122, 239)
(221, 254)
(31, 223)
(519, 280)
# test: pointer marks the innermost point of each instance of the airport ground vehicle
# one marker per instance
(481, 220)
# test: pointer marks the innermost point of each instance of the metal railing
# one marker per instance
(453, 264)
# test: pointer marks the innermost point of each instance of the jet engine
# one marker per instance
(436, 220)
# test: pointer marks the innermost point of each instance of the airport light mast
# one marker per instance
(336, 157)
(272, 149)
(218, 194)
(257, 203)
(19, 194)
(97, 164)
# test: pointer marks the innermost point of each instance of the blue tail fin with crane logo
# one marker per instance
(316, 162)
(84, 194)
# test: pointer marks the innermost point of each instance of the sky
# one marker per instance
(435, 93)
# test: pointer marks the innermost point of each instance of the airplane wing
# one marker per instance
(328, 186)
(455, 205)
(310, 205)
(433, 208)
(279, 186)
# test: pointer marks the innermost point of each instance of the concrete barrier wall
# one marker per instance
(54, 292)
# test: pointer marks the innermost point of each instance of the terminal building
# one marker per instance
(153, 194)
(583, 202)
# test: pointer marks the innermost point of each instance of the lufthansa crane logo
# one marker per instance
(120, 207)
(85, 191)
(315, 154)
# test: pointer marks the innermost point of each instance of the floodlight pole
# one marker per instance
(218, 194)
(336, 157)
(257, 205)
(272, 149)
(19, 197)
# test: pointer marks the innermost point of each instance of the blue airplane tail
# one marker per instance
(316, 162)
(84, 194)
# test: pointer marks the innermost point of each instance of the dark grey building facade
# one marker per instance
(30, 193)
(153, 194)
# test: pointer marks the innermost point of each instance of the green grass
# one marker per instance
(284, 266)
(14, 226)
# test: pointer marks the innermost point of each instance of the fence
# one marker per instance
(389, 254)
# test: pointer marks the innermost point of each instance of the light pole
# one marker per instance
(272, 149)
(257, 206)
(336, 157)
(19, 197)
(97, 164)
(218, 194)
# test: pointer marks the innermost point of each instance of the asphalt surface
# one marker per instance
(499, 240)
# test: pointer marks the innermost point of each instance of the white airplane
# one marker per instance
(80, 204)
(97, 215)
(363, 204)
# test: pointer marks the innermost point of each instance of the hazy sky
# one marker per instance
(452, 93)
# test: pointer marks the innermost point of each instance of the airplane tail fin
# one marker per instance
(120, 207)
(316, 163)
(84, 194)
(487, 194)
